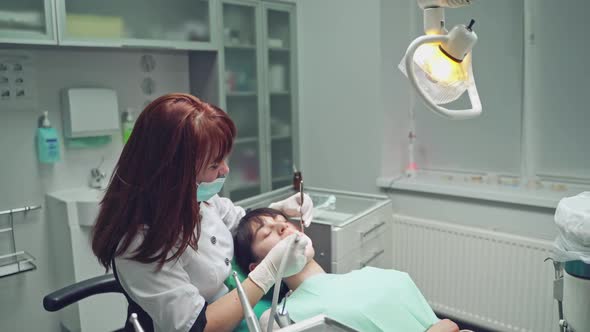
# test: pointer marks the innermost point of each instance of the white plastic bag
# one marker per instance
(572, 218)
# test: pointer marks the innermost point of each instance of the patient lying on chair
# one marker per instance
(369, 299)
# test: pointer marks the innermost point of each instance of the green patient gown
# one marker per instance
(369, 299)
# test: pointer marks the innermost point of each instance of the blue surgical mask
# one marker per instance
(206, 190)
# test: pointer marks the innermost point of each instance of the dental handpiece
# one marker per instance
(249, 316)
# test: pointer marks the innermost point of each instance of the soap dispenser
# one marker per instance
(128, 123)
(47, 142)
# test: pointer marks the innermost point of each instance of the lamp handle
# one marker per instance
(476, 108)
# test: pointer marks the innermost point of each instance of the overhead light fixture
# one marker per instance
(438, 64)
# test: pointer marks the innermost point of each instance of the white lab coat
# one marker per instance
(175, 295)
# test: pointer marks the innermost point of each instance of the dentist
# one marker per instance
(166, 233)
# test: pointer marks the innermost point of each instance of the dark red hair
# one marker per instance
(154, 182)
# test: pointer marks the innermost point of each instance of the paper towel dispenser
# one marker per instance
(90, 112)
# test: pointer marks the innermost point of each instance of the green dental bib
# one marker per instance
(369, 299)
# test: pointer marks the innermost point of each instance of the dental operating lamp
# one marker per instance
(438, 64)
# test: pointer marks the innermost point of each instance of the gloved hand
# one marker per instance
(445, 325)
(292, 207)
(265, 273)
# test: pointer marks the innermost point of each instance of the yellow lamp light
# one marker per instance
(438, 64)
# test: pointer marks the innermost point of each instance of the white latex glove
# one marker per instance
(265, 273)
(292, 207)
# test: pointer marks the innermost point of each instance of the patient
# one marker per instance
(369, 299)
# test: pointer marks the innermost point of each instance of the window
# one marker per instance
(560, 91)
(555, 88)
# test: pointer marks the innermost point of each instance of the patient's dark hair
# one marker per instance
(244, 235)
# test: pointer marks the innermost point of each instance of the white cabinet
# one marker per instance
(184, 24)
(362, 240)
(27, 22)
(258, 90)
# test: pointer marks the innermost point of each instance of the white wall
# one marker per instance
(340, 66)
(24, 182)
(354, 112)
(343, 148)
(396, 23)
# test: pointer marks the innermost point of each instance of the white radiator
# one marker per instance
(495, 280)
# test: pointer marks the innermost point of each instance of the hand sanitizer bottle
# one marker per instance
(128, 123)
(47, 142)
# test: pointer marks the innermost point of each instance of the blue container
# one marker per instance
(47, 142)
(578, 269)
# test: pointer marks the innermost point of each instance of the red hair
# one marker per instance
(154, 182)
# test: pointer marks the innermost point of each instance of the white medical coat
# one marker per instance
(175, 295)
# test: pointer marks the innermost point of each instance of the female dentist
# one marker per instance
(172, 251)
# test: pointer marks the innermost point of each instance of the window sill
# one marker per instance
(543, 194)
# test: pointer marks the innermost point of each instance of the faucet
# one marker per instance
(97, 177)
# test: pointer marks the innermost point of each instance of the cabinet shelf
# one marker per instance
(280, 93)
(240, 47)
(279, 49)
(17, 262)
(242, 94)
(246, 140)
(4, 230)
(279, 137)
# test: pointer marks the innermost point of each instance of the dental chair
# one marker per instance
(107, 283)
(65, 296)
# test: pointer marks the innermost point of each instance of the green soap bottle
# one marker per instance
(128, 123)
(47, 142)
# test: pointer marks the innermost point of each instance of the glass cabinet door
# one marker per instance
(240, 54)
(27, 22)
(182, 24)
(279, 43)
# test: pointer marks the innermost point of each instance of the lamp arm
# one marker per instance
(451, 114)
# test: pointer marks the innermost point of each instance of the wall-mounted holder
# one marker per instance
(14, 262)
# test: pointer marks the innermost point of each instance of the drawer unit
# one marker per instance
(361, 231)
(376, 251)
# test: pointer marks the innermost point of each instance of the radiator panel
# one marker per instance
(496, 280)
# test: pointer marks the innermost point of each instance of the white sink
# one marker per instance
(72, 213)
(84, 200)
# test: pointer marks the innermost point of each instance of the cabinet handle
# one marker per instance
(377, 254)
(374, 228)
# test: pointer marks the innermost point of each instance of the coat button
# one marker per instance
(213, 239)
(227, 261)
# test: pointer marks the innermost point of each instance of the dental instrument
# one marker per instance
(438, 64)
(275, 295)
(282, 316)
(302, 224)
(249, 316)
(297, 178)
(135, 322)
